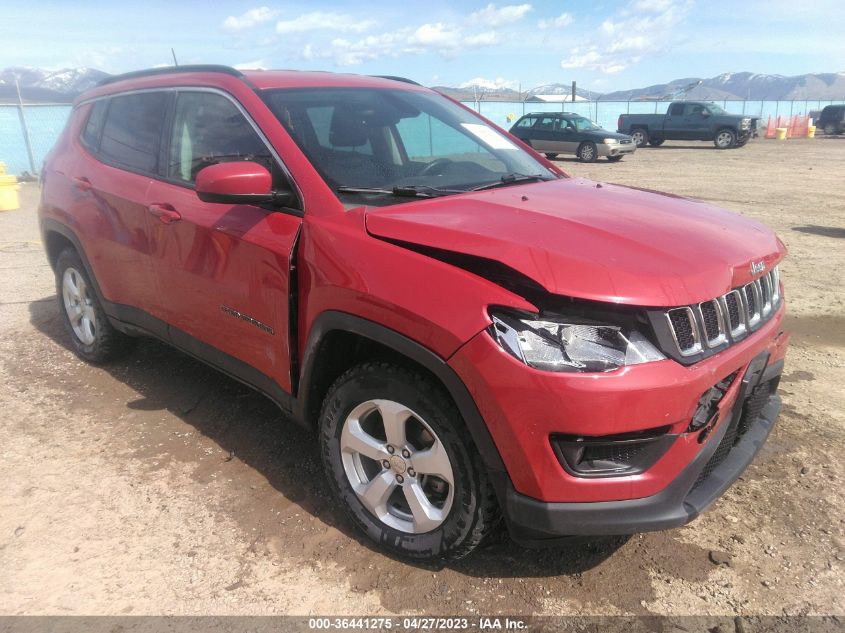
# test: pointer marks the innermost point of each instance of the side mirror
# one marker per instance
(705, 114)
(242, 182)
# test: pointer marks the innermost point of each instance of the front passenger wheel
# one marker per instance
(400, 460)
(93, 337)
(725, 139)
(640, 137)
(587, 152)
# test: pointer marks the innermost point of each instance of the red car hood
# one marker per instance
(602, 242)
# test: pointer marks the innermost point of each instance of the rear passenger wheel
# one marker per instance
(94, 339)
(640, 137)
(615, 159)
(725, 139)
(587, 152)
(829, 130)
(398, 456)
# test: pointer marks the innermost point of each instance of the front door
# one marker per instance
(222, 269)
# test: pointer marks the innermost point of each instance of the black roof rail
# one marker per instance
(169, 70)
(404, 80)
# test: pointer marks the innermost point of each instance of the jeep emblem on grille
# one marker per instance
(758, 267)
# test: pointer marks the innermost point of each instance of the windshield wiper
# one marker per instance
(405, 191)
(510, 179)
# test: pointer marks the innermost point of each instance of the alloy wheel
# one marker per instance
(724, 139)
(397, 466)
(79, 306)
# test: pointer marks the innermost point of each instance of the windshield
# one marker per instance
(398, 141)
(583, 124)
(712, 108)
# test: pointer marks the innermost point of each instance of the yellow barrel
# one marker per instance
(780, 133)
(811, 131)
(8, 193)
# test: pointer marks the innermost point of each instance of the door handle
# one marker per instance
(165, 213)
(82, 183)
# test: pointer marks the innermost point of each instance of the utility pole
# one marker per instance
(173, 52)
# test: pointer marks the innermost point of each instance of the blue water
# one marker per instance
(45, 122)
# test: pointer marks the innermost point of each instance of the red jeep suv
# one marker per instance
(472, 334)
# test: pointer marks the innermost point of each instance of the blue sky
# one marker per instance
(603, 45)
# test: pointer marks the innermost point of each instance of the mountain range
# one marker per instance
(60, 86)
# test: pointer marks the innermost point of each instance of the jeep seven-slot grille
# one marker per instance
(683, 327)
(727, 318)
(711, 318)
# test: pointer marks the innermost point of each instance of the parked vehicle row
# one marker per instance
(555, 133)
(471, 334)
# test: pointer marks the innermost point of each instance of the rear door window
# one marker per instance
(526, 121)
(132, 131)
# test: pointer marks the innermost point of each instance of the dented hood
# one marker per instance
(602, 242)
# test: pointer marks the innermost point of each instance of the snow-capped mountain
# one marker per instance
(745, 85)
(38, 84)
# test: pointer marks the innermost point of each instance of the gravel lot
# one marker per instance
(156, 485)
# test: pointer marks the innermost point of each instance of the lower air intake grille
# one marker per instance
(738, 427)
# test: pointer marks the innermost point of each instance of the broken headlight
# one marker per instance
(571, 344)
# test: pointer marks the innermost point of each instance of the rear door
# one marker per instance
(545, 135)
(120, 143)
(675, 125)
(222, 269)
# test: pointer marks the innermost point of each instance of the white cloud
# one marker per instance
(561, 21)
(443, 39)
(487, 38)
(652, 6)
(493, 15)
(624, 41)
(325, 21)
(258, 64)
(490, 84)
(248, 19)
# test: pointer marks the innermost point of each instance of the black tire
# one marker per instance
(106, 343)
(656, 142)
(615, 159)
(725, 139)
(551, 156)
(474, 510)
(640, 136)
(829, 130)
(587, 152)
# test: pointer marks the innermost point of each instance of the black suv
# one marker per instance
(832, 119)
(554, 133)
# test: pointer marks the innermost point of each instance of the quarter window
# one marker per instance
(91, 134)
(132, 130)
(209, 129)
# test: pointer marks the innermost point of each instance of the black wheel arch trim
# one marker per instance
(333, 320)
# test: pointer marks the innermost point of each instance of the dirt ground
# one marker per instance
(157, 486)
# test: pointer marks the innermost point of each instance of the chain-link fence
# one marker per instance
(28, 132)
